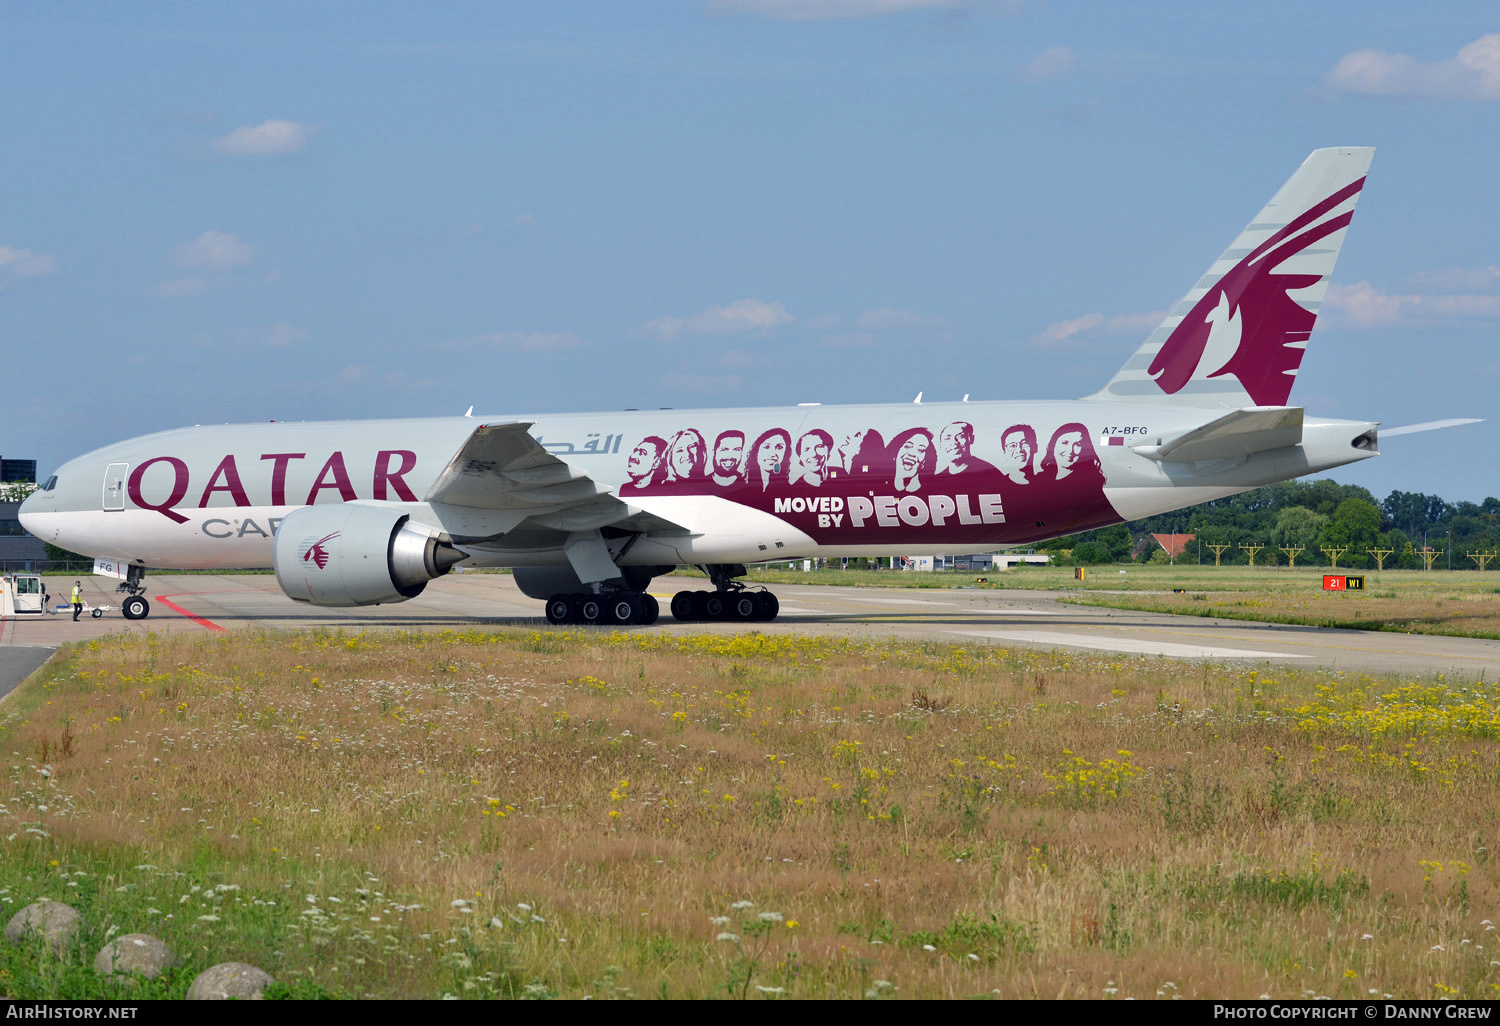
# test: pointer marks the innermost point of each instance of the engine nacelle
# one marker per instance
(357, 554)
(542, 582)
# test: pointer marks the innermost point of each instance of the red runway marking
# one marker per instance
(200, 621)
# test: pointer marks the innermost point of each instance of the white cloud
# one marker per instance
(740, 316)
(212, 251)
(270, 138)
(1096, 324)
(275, 336)
(181, 288)
(883, 325)
(1460, 279)
(23, 263)
(887, 319)
(1059, 330)
(1471, 74)
(1050, 63)
(514, 342)
(280, 335)
(822, 10)
(1364, 306)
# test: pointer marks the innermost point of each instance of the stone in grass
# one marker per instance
(135, 954)
(227, 980)
(56, 923)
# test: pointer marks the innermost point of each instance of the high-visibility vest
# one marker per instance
(77, 596)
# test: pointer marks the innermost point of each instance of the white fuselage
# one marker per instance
(743, 485)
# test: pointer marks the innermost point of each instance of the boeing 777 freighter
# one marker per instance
(588, 508)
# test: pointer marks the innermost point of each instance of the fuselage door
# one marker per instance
(114, 487)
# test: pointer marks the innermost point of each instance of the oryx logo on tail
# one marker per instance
(316, 553)
(1248, 324)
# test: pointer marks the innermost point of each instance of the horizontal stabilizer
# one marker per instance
(1431, 425)
(1253, 429)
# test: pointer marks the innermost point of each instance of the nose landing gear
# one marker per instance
(135, 607)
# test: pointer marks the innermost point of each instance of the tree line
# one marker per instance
(1320, 518)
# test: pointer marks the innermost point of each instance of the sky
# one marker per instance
(216, 212)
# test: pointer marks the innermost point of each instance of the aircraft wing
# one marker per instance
(1252, 429)
(502, 480)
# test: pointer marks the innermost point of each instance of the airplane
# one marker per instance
(587, 509)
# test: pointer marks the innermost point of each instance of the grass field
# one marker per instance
(1459, 603)
(551, 813)
(1465, 604)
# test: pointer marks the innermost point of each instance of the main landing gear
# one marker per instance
(614, 608)
(730, 599)
(725, 605)
(135, 607)
(616, 602)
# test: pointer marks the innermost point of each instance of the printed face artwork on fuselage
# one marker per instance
(853, 487)
(729, 459)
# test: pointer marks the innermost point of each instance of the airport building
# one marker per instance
(18, 550)
(17, 471)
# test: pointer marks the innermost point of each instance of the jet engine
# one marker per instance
(357, 554)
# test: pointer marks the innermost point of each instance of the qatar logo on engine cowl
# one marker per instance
(316, 554)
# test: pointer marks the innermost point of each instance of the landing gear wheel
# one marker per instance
(622, 609)
(591, 609)
(773, 605)
(762, 607)
(96, 613)
(685, 606)
(743, 607)
(134, 608)
(714, 606)
(650, 610)
(559, 609)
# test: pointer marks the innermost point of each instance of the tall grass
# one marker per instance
(554, 813)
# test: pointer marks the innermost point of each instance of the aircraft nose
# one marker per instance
(27, 513)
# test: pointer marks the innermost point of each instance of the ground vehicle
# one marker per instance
(24, 593)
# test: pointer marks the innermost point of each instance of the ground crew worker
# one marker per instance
(77, 599)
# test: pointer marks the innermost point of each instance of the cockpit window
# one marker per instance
(49, 485)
